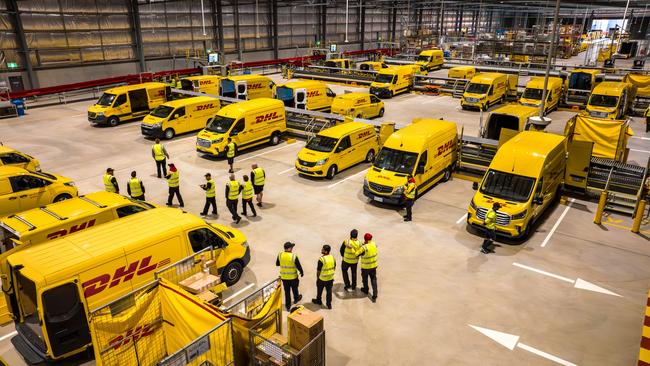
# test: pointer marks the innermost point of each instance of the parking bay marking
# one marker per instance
(557, 223)
(288, 170)
(350, 177)
(8, 335)
(462, 218)
(270, 151)
(577, 283)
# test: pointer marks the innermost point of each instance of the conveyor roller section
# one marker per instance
(334, 74)
(625, 178)
(474, 156)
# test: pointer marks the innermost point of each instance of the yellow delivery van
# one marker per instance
(532, 95)
(249, 124)
(579, 84)
(485, 90)
(462, 72)
(310, 95)
(392, 81)
(57, 285)
(125, 103)
(511, 117)
(208, 84)
(372, 66)
(22, 190)
(13, 157)
(425, 149)
(337, 148)
(59, 219)
(611, 100)
(247, 87)
(360, 105)
(339, 63)
(525, 177)
(180, 116)
(430, 59)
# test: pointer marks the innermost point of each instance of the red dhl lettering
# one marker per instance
(446, 147)
(266, 117)
(364, 134)
(124, 273)
(359, 102)
(205, 82)
(314, 93)
(160, 93)
(72, 229)
(255, 86)
(204, 107)
(501, 85)
(132, 334)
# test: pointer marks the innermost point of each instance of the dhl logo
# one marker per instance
(314, 93)
(124, 273)
(255, 86)
(205, 82)
(359, 102)
(132, 334)
(446, 147)
(266, 117)
(205, 107)
(364, 134)
(72, 229)
(501, 85)
(160, 93)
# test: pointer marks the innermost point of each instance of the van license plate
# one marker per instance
(378, 199)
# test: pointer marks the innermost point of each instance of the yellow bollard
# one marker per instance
(638, 215)
(601, 207)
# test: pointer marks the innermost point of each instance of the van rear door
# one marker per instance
(242, 90)
(139, 101)
(65, 319)
(300, 98)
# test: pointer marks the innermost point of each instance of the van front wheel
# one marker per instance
(62, 197)
(447, 175)
(232, 273)
(113, 121)
(381, 113)
(370, 156)
(331, 172)
(275, 138)
(169, 133)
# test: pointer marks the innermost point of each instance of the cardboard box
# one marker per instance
(199, 282)
(279, 339)
(304, 325)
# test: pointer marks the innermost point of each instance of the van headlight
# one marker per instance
(520, 215)
(472, 204)
(69, 184)
(245, 244)
(100, 114)
(157, 125)
(365, 182)
(321, 162)
(217, 140)
(399, 190)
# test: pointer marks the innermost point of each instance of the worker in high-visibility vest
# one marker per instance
(490, 223)
(231, 149)
(174, 182)
(258, 176)
(410, 190)
(233, 188)
(135, 187)
(247, 196)
(289, 268)
(349, 249)
(210, 195)
(369, 262)
(110, 183)
(325, 277)
(159, 154)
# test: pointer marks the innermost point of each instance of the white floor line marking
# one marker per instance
(288, 170)
(557, 223)
(270, 151)
(350, 177)
(8, 335)
(641, 151)
(462, 218)
(641, 137)
(238, 293)
(544, 272)
(545, 355)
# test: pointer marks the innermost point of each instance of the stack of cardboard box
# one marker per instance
(304, 326)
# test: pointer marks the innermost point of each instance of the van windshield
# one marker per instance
(162, 111)
(510, 187)
(384, 78)
(106, 99)
(580, 80)
(423, 58)
(284, 93)
(396, 160)
(477, 88)
(603, 100)
(531, 93)
(220, 124)
(322, 143)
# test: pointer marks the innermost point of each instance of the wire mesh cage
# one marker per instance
(214, 348)
(268, 352)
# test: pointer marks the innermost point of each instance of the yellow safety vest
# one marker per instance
(369, 257)
(233, 192)
(136, 189)
(288, 270)
(210, 192)
(409, 191)
(327, 271)
(247, 192)
(158, 152)
(259, 176)
(490, 219)
(178, 84)
(174, 179)
(108, 184)
(350, 254)
(231, 150)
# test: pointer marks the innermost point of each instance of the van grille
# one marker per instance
(502, 218)
(203, 142)
(92, 115)
(306, 163)
(379, 188)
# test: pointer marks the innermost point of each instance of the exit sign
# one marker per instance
(12, 65)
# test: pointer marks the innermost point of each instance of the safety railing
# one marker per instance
(266, 352)
(214, 348)
(186, 267)
(252, 303)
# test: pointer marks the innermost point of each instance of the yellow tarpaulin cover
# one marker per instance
(642, 82)
(604, 133)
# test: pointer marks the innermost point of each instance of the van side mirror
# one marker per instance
(475, 186)
(419, 170)
(176, 116)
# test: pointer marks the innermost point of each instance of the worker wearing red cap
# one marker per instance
(369, 262)
(174, 182)
(410, 190)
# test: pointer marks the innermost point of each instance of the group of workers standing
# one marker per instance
(352, 252)
(250, 188)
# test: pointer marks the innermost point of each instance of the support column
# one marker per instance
(240, 53)
(137, 34)
(363, 25)
(394, 22)
(274, 13)
(323, 23)
(23, 50)
(217, 28)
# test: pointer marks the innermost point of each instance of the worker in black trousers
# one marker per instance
(233, 188)
(289, 268)
(210, 195)
(325, 277)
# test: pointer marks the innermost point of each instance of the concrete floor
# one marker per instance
(433, 281)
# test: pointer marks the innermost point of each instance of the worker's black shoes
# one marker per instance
(259, 204)
(373, 299)
(298, 299)
(364, 290)
(317, 302)
(329, 306)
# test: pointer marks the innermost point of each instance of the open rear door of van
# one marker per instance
(242, 90)
(139, 101)
(300, 98)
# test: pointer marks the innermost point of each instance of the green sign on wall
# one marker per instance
(12, 65)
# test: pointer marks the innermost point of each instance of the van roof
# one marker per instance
(395, 69)
(430, 52)
(127, 88)
(537, 82)
(463, 68)
(303, 84)
(338, 59)
(518, 110)
(525, 153)
(200, 77)
(343, 129)
(613, 88)
(414, 136)
(250, 105)
(486, 77)
(56, 213)
(247, 77)
(352, 96)
(102, 243)
(587, 71)
(187, 101)
(6, 149)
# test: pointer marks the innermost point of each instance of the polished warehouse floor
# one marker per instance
(441, 302)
